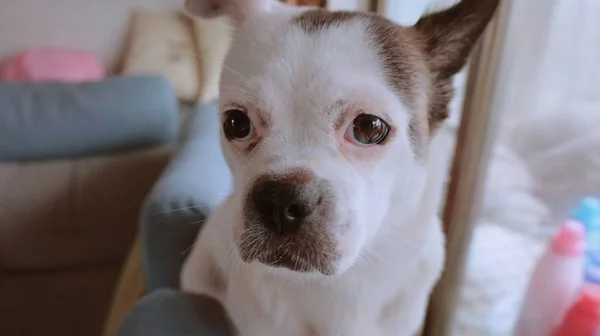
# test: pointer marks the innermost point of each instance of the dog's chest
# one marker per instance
(381, 306)
(277, 308)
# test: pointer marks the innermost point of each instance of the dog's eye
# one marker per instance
(368, 129)
(237, 125)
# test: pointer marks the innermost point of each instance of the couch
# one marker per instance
(76, 162)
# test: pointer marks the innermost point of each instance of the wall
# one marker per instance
(98, 26)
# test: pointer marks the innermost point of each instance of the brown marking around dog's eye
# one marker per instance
(251, 147)
(311, 330)
(339, 121)
(341, 116)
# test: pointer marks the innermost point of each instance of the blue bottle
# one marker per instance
(587, 212)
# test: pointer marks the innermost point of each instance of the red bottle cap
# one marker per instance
(583, 318)
(570, 239)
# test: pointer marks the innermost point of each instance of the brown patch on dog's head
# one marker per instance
(318, 19)
(418, 61)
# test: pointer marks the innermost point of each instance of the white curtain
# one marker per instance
(547, 155)
(553, 109)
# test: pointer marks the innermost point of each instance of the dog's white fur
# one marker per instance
(392, 253)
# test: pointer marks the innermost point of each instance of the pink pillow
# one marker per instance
(43, 65)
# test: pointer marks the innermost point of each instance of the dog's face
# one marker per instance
(327, 118)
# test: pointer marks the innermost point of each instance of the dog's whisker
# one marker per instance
(178, 209)
(379, 256)
(240, 93)
(246, 239)
(189, 248)
(241, 154)
(402, 237)
(366, 260)
(228, 68)
(281, 285)
(215, 227)
(217, 275)
(231, 253)
(233, 71)
(231, 260)
(297, 261)
(250, 239)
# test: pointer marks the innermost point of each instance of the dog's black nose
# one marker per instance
(283, 203)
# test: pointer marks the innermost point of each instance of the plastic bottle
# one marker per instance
(555, 282)
(588, 213)
(583, 318)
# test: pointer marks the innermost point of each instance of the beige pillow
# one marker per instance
(213, 37)
(163, 43)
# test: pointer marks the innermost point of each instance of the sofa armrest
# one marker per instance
(196, 181)
(73, 212)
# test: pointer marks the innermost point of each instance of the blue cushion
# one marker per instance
(52, 120)
(196, 181)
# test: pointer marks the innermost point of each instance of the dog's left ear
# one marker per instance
(447, 38)
(237, 10)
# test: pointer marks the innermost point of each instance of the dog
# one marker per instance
(328, 127)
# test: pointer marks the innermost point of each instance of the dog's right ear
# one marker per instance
(451, 34)
(237, 10)
(447, 38)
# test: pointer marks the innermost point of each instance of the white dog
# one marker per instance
(328, 128)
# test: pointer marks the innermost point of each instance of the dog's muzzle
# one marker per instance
(289, 216)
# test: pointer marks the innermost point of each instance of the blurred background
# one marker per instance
(74, 171)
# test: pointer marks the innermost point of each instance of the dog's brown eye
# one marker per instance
(237, 125)
(369, 130)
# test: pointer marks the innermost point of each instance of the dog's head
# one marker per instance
(327, 120)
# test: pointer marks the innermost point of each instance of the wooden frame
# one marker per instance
(318, 3)
(475, 137)
(130, 288)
